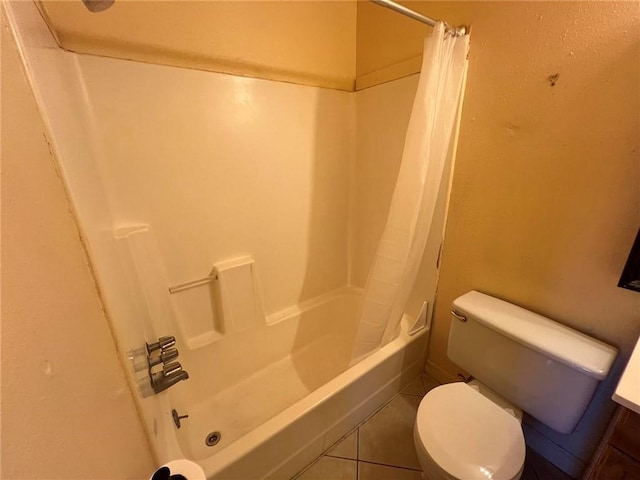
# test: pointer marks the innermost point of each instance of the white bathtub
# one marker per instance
(283, 415)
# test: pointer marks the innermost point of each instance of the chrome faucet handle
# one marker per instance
(166, 356)
(160, 383)
(163, 352)
(167, 342)
(171, 369)
(169, 355)
(163, 343)
(167, 371)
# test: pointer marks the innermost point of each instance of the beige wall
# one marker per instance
(309, 42)
(388, 45)
(66, 409)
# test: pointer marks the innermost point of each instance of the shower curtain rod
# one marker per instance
(457, 31)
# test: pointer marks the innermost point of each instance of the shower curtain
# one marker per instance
(425, 156)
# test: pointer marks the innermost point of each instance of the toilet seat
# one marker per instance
(468, 436)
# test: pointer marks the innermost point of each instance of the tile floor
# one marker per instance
(381, 448)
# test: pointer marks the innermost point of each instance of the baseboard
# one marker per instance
(439, 374)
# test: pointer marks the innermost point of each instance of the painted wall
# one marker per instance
(546, 192)
(388, 45)
(310, 42)
(67, 411)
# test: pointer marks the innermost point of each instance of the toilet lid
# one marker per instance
(468, 435)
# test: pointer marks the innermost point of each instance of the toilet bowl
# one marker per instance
(460, 434)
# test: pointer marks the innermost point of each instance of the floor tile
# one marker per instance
(542, 468)
(371, 471)
(387, 437)
(415, 387)
(347, 447)
(428, 382)
(529, 474)
(330, 468)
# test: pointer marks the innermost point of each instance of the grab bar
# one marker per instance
(192, 284)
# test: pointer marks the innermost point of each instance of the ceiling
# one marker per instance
(308, 42)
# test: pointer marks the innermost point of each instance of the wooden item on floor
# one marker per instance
(618, 456)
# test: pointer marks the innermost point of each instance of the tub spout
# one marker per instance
(171, 375)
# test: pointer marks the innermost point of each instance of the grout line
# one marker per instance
(357, 429)
(410, 395)
(392, 466)
(424, 387)
(381, 407)
(337, 456)
(358, 453)
(301, 472)
(335, 444)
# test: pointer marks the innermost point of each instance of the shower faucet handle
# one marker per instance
(163, 343)
(171, 369)
(164, 352)
(160, 382)
(166, 356)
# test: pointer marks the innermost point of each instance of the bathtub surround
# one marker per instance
(428, 153)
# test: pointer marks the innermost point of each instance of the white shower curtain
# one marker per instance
(424, 159)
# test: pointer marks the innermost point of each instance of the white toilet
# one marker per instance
(524, 361)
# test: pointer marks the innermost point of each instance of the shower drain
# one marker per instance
(213, 438)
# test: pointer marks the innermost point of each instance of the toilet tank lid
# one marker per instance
(539, 333)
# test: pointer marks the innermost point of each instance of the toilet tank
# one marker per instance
(548, 370)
